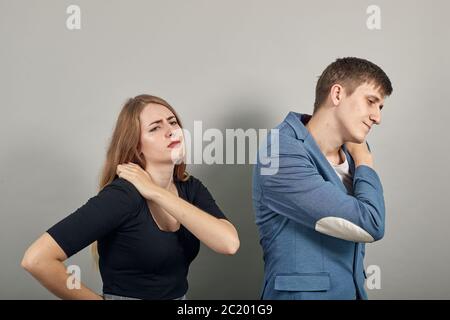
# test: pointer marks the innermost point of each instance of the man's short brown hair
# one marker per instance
(350, 72)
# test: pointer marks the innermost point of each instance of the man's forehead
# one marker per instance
(371, 89)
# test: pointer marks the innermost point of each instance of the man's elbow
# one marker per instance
(344, 229)
(378, 234)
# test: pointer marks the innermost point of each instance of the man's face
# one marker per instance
(359, 112)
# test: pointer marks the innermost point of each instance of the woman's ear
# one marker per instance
(139, 151)
(141, 159)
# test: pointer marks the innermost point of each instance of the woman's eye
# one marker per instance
(154, 129)
(174, 123)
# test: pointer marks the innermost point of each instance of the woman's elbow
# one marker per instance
(43, 251)
(31, 260)
(232, 246)
(230, 240)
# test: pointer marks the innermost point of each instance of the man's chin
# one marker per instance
(357, 139)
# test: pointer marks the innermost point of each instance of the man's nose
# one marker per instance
(375, 116)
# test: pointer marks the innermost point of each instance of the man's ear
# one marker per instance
(336, 94)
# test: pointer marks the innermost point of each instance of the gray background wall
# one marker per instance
(231, 64)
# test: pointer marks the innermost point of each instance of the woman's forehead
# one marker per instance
(154, 111)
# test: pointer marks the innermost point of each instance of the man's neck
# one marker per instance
(162, 174)
(324, 129)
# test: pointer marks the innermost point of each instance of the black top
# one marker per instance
(137, 259)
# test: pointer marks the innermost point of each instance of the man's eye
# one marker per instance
(370, 101)
(154, 129)
(174, 123)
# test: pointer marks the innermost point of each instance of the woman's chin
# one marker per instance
(176, 156)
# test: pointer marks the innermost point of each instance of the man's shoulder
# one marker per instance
(286, 140)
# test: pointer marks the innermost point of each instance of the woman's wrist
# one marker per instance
(155, 193)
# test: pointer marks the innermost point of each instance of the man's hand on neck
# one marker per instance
(360, 153)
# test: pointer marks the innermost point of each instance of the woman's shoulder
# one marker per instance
(190, 186)
(191, 182)
(198, 194)
(194, 188)
(125, 189)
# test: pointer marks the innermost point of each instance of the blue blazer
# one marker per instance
(312, 230)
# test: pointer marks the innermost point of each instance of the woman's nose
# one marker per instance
(169, 132)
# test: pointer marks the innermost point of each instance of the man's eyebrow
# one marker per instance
(373, 97)
(159, 121)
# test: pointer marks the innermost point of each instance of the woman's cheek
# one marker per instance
(155, 144)
(146, 145)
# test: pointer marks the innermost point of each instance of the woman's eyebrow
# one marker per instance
(159, 121)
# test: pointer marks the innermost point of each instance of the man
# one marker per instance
(316, 213)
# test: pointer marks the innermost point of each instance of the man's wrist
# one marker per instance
(364, 162)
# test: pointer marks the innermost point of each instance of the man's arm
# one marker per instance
(300, 193)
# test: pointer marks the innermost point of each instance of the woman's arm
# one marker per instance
(218, 234)
(98, 217)
(44, 261)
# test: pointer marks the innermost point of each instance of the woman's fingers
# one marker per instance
(123, 169)
(128, 170)
(132, 171)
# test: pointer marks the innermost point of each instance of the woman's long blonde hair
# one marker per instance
(125, 144)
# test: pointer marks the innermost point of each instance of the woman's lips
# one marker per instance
(173, 144)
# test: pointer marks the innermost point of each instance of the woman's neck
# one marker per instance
(162, 175)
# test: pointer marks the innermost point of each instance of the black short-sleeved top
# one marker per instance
(137, 259)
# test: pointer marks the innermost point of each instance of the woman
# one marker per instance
(148, 219)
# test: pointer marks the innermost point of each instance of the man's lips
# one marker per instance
(367, 125)
(173, 144)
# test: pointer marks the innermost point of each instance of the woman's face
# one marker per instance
(161, 136)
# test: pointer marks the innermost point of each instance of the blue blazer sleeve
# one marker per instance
(300, 193)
